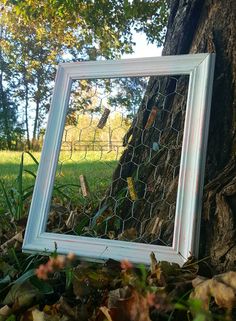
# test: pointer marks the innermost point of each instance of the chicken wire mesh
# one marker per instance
(117, 173)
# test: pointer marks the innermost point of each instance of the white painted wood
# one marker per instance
(200, 67)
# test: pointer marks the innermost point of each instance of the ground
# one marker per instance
(38, 288)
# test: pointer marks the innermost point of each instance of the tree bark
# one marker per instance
(37, 110)
(209, 26)
(3, 101)
(194, 26)
(26, 84)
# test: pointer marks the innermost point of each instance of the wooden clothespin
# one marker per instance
(131, 189)
(152, 117)
(84, 186)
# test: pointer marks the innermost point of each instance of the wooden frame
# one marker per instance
(200, 68)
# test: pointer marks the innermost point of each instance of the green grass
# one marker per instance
(97, 168)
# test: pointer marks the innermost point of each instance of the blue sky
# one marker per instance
(142, 48)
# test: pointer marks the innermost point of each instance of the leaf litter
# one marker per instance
(60, 288)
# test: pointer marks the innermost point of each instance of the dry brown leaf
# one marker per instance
(18, 238)
(105, 311)
(38, 315)
(5, 311)
(34, 314)
(127, 304)
(66, 308)
(154, 262)
(221, 287)
(198, 280)
(129, 234)
(22, 295)
(87, 278)
(223, 294)
(228, 278)
(202, 292)
(161, 271)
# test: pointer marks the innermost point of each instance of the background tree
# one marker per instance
(43, 33)
(11, 131)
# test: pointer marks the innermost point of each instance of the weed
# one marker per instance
(16, 198)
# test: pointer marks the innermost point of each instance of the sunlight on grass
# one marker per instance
(96, 166)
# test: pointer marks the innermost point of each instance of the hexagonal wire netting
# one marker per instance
(117, 173)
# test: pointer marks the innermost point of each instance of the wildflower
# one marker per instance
(42, 272)
(53, 264)
(126, 265)
(71, 256)
(60, 261)
(150, 297)
(158, 301)
(50, 265)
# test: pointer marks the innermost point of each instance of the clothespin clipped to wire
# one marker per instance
(103, 119)
(131, 188)
(152, 117)
(84, 186)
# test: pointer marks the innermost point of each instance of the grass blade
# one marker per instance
(32, 156)
(30, 172)
(8, 202)
(20, 189)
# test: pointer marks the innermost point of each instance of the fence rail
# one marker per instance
(91, 146)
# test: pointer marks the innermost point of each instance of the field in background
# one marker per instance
(97, 168)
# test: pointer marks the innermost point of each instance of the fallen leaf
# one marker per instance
(34, 314)
(228, 278)
(129, 234)
(22, 295)
(105, 311)
(162, 271)
(224, 295)
(7, 269)
(126, 304)
(87, 278)
(221, 287)
(5, 311)
(18, 238)
(38, 315)
(202, 292)
(64, 307)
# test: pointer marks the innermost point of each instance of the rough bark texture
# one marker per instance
(195, 26)
(154, 172)
(209, 26)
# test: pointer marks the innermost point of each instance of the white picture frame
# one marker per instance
(200, 68)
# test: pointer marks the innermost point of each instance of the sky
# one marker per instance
(142, 48)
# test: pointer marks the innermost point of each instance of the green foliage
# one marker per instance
(66, 182)
(196, 310)
(37, 35)
(16, 198)
(103, 26)
(11, 131)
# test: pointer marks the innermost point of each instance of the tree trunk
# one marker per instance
(209, 26)
(26, 84)
(36, 118)
(3, 101)
(194, 26)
